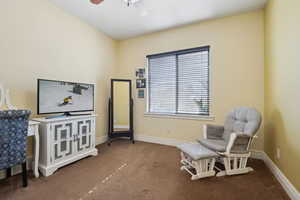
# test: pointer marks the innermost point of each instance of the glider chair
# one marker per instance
(232, 141)
(13, 133)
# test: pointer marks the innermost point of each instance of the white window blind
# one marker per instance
(179, 82)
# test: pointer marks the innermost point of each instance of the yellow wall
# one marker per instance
(121, 103)
(237, 67)
(39, 40)
(282, 84)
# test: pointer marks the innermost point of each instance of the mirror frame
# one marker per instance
(117, 134)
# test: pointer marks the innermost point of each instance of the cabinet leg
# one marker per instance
(36, 154)
(48, 172)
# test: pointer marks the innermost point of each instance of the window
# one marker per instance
(179, 82)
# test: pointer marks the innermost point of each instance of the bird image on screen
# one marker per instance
(64, 97)
(67, 100)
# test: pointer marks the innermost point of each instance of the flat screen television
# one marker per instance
(64, 97)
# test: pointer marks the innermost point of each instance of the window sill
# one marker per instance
(179, 116)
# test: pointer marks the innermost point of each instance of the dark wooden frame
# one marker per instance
(24, 174)
(119, 134)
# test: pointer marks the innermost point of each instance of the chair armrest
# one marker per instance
(238, 143)
(213, 131)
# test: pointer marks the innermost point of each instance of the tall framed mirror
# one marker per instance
(120, 110)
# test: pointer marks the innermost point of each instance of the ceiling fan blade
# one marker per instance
(96, 1)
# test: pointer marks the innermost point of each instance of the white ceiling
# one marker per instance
(114, 18)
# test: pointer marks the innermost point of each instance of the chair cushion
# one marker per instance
(214, 132)
(242, 120)
(196, 151)
(215, 145)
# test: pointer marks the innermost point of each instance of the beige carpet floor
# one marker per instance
(141, 171)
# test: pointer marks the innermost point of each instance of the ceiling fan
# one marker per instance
(128, 2)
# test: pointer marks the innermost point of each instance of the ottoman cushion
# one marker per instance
(196, 151)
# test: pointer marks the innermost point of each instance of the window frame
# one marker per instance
(180, 115)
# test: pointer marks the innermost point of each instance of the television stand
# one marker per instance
(65, 140)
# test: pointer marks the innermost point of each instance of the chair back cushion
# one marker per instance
(13, 133)
(242, 120)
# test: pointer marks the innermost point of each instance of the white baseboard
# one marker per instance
(283, 180)
(145, 138)
(101, 140)
(256, 154)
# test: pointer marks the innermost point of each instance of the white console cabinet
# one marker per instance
(65, 140)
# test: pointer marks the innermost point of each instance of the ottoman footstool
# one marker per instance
(197, 160)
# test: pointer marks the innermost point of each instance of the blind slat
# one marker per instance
(162, 85)
(179, 82)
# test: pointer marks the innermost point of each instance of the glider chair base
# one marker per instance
(199, 164)
(198, 169)
(235, 164)
(234, 172)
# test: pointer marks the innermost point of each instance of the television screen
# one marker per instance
(64, 97)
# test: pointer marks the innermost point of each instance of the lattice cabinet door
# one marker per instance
(85, 134)
(62, 141)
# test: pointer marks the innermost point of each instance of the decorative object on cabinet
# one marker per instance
(65, 140)
(5, 98)
(120, 110)
(13, 133)
(2, 95)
